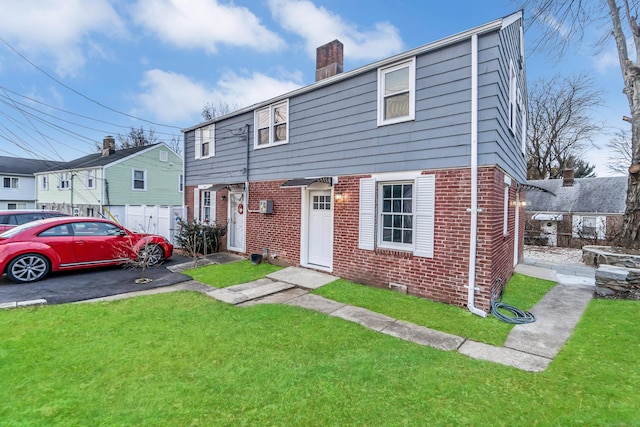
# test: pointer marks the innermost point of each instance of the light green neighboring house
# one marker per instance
(140, 187)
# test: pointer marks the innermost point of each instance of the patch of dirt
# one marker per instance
(553, 254)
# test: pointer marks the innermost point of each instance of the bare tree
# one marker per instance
(620, 146)
(210, 111)
(176, 144)
(564, 22)
(560, 124)
(581, 168)
(137, 138)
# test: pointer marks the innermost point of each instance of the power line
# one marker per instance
(79, 93)
(26, 116)
(67, 112)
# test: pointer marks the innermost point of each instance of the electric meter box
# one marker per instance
(266, 206)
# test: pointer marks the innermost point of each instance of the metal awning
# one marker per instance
(535, 188)
(305, 182)
(218, 187)
(547, 217)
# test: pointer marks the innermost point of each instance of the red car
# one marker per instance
(12, 218)
(30, 251)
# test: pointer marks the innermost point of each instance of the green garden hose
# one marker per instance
(517, 317)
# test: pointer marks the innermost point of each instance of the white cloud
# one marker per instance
(604, 62)
(175, 98)
(558, 26)
(319, 26)
(204, 24)
(58, 29)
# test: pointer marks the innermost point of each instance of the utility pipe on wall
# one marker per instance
(473, 245)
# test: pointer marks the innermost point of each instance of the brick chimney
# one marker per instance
(329, 58)
(108, 145)
(567, 178)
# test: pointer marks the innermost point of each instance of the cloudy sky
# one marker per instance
(73, 71)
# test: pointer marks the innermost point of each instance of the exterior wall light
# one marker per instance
(339, 197)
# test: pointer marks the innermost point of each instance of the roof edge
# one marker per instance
(497, 24)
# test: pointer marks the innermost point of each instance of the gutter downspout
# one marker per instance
(473, 243)
(246, 182)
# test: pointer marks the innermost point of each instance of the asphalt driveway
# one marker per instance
(58, 288)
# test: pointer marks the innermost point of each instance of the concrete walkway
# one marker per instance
(530, 347)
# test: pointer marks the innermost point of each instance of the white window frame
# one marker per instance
(164, 156)
(211, 206)
(90, 212)
(271, 126)
(44, 182)
(513, 96)
(64, 181)
(380, 215)
(505, 217)
(133, 179)
(205, 136)
(14, 183)
(382, 72)
(370, 234)
(523, 131)
(600, 228)
(91, 179)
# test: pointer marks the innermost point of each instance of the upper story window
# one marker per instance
(397, 93)
(91, 179)
(44, 182)
(272, 125)
(181, 183)
(64, 180)
(205, 145)
(164, 156)
(513, 96)
(139, 179)
(10, 182)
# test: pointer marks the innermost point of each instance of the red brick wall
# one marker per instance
(495, 257)
(441, 278)
(188, 200)
(279, 232)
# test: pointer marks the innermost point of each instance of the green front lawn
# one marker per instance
(235, 273)
(183, 359)
(521, 291)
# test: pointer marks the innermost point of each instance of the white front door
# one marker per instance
(237, 222)
(320, 239)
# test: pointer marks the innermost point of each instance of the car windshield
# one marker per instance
(15, 230)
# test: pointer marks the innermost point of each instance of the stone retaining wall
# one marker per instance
(617, 282)
(598, 255)
(617, 273)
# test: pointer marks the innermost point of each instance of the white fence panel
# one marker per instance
(161, 220)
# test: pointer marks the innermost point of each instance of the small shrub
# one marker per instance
(196, 237)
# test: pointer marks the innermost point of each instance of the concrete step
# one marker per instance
(249, 291)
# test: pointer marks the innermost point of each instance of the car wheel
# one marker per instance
(28, 268)
(151, 255)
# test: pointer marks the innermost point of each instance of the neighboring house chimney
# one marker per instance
(108, 146)
(567, 178)
(329, 59)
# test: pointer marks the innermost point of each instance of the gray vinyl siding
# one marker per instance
(333, 130)
(227, 166)
(508, 153)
